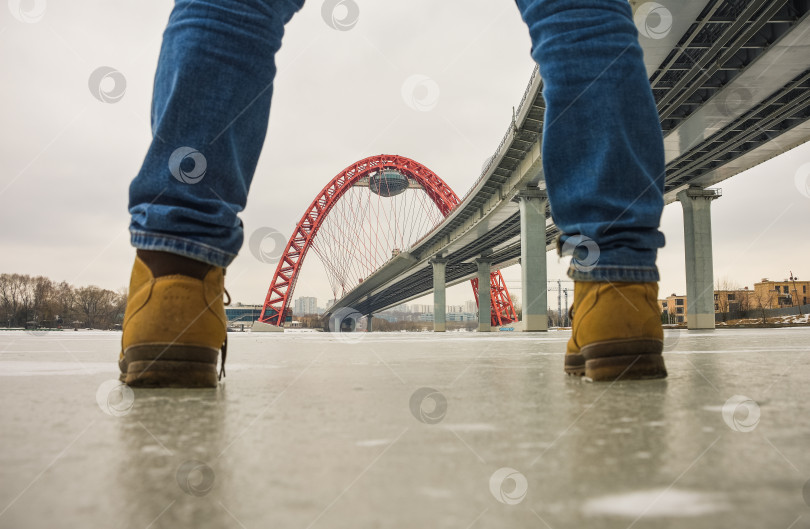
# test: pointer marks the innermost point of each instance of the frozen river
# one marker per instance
(409, 430)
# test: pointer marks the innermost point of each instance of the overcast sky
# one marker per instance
(66, 158)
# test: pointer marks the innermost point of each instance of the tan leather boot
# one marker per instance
(616, 332)
(174, 327)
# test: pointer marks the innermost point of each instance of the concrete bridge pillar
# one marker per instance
(533, 259)
(697, 230)
(484, 294)
(439, 296)
(369, 319)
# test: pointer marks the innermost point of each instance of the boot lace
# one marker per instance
(225, 343)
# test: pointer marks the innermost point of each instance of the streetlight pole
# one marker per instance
(796, 291)
(567, 322)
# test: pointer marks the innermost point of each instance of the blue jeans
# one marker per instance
(603, 153)
(210, 108)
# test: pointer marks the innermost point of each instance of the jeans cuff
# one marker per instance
(177, 245)
(618, 274)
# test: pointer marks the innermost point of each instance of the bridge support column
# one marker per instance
(369, 320)
(697, 230)
(484, 295)
(439, 294)
(533, 259)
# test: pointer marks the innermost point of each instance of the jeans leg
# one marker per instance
(603, 154)
(210, 108)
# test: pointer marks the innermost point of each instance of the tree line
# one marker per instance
(36, 302)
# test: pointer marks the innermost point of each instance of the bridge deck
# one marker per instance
(733, 90)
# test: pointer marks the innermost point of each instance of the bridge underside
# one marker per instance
(732, 91)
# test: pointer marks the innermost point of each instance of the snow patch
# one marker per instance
(439, 494)
(470, 427)
(373, 442)
(15, 368)
(656, 503)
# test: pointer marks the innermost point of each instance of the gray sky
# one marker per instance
(66, 159)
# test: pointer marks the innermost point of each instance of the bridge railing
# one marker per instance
(507, 137)
(506, 140)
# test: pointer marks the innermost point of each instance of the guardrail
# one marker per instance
(506, 140)
(507, 137)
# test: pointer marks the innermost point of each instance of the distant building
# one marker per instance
(243, 313)
(775, 294)
(329, 303)
(306, 305)
(724, 301)
(675, 307)
(470, 306)
(387, 316)
(766, 294)
(449, 316)
(732, 300)
(462, 316)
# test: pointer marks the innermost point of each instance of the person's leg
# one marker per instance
(603, 162)
(210, 108)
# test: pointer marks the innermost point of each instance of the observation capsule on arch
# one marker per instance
(388, 183)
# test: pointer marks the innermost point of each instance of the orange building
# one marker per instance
(766, 294)
(732, 300)
(675, 306)
(775, 294)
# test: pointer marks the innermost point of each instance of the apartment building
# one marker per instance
(675, 306)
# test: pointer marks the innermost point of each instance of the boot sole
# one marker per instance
(170, 366)
(575, 364)
(624, 360)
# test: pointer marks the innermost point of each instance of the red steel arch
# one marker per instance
(281, 289)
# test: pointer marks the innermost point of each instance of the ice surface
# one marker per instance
(312, 430)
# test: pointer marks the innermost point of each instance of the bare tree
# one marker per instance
(516, 303)
(63, 302)
(25, 299)
(724, 285)
(99, 307)
(17, 297)
(762, 301)
(7, 310)
(42, 288)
